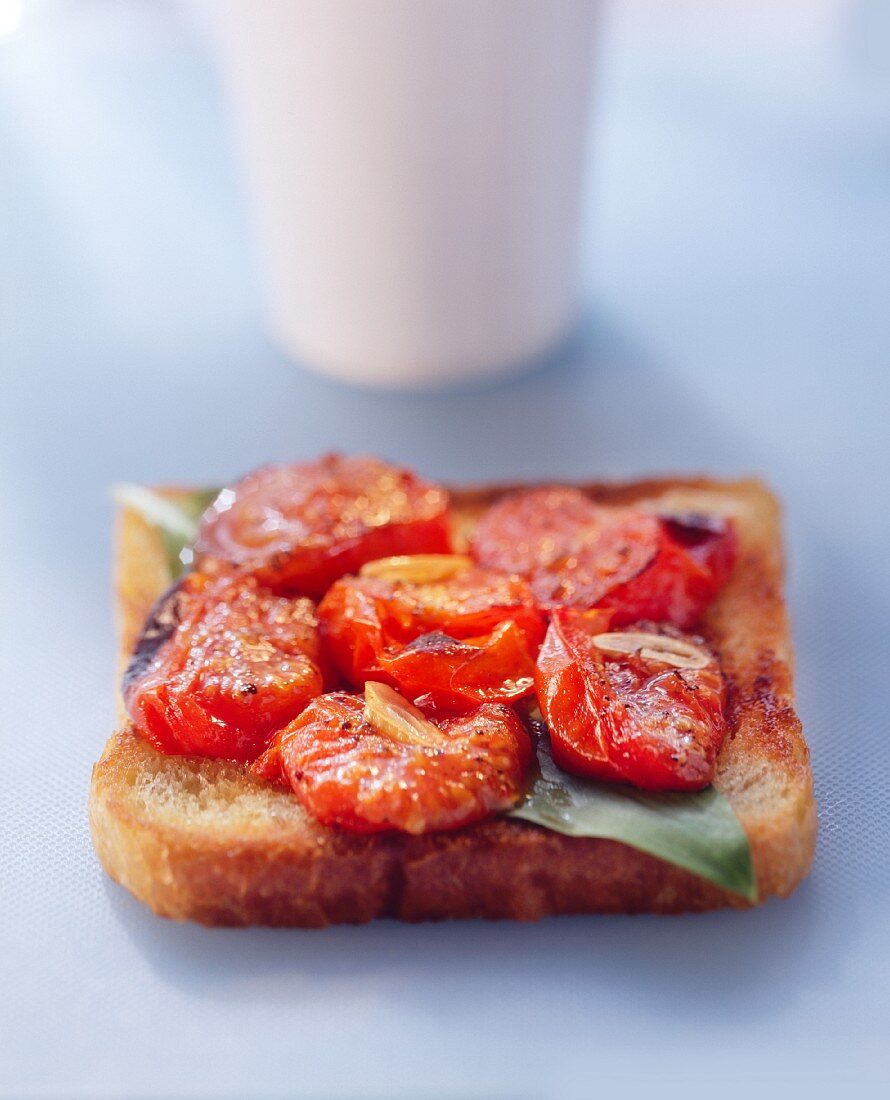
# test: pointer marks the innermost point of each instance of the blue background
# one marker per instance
(736, 258)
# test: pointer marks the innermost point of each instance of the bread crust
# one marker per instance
(203, 840)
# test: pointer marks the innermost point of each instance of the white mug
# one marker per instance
(415, 171)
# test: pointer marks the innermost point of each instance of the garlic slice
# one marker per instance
(653, 647)
(417, 568)
(392, 715)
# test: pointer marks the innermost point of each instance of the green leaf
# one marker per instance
(695, 830)
(174, 515)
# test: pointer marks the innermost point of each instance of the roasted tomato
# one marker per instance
(297, 528)
(447, 633)
(643, 705)
(221, 665)
(579, 554)
(378, 763)
(448, 674)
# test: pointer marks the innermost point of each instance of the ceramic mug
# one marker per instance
(414, 169)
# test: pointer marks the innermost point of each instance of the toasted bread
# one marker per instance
(203, 840)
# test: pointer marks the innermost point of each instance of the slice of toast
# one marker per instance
(202, 840)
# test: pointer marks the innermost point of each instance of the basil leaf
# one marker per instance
(174, 516)
(695, 830)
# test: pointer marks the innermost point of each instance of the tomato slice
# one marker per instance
(580, 554)
(298, 528)
(451, 674)
(450, 644)
(221, 664)
(350, 774)
(696, 555)
(642, 705)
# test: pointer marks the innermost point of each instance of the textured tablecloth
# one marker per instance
(737, 257)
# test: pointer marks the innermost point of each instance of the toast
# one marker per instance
(203, 840)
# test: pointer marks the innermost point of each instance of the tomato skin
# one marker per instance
(298, 528)
(572, 552)
(221, 665)
(268, 765)
(625, 717)
(575, 553)
(452, 644)
(350, 776)
(450, 674)
(695, 558)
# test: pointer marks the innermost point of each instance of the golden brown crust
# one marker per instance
(202, 840)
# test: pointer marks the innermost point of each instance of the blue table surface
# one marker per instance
(736, 259)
